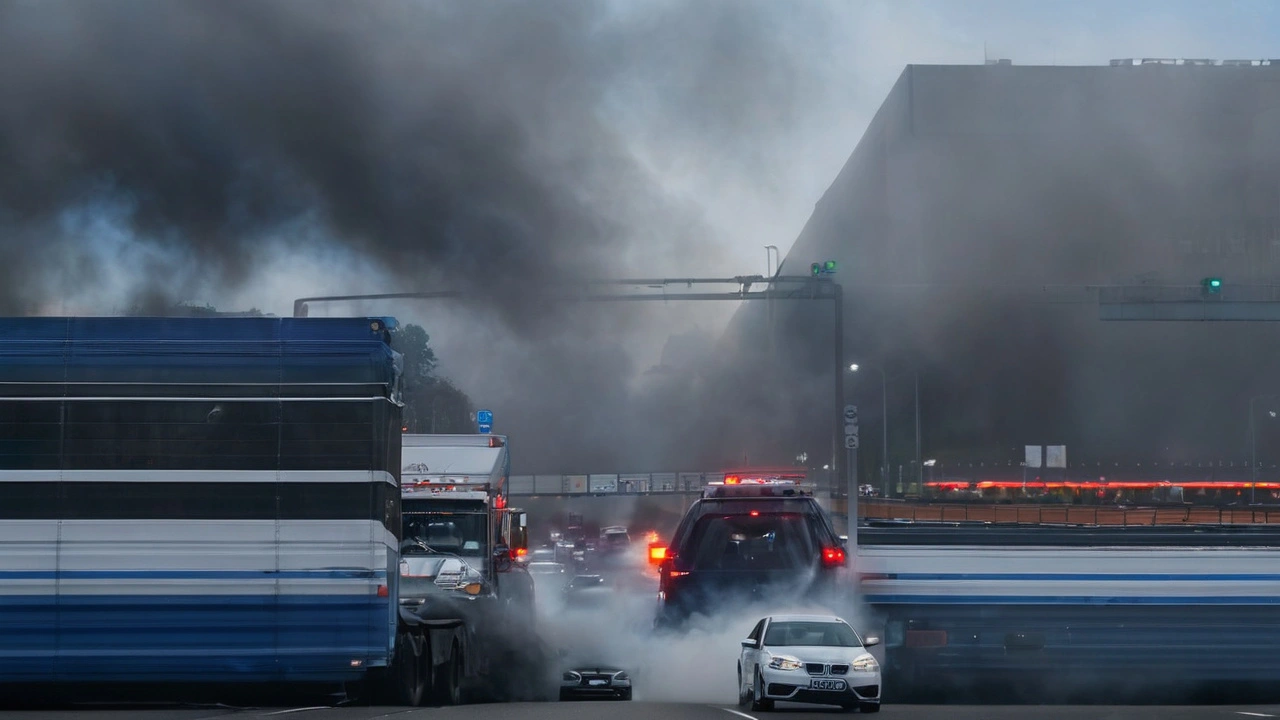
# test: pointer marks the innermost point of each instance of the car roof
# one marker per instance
(806, 618)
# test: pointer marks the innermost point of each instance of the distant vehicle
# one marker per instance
(588, 591)
(614, 540)
(749, 539)
(817, 659)
(551, 575)
(595, 683)
(542, 555)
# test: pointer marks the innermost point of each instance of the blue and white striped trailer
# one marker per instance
(202, 500)
(1084, 611)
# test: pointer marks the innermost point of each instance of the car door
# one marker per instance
(751, 656)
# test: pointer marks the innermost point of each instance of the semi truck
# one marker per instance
(458, 562)
(209, 500)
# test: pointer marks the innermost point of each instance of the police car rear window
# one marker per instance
(776, 541)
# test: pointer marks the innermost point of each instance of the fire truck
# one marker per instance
(458, 567)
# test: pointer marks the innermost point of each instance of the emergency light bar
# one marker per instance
(440, 486)
(762, 478)
(757, 490)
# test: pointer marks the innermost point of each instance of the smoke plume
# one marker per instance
(473, 145)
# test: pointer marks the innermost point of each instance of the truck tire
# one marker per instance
(446, 685)
(408, 674)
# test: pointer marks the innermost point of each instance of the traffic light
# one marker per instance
(1211, 284)
(823, 268)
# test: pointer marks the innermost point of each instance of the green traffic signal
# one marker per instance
(817, 269)
(1212, 285)
(830, 266)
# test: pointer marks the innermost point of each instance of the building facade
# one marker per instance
(971, 224)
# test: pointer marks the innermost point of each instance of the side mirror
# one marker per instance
(871, 641)
(502, 558)
(749, 643)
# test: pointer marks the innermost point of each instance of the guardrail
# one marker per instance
(1064, 514)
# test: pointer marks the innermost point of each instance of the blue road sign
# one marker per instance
(485, 428)
(484, 417)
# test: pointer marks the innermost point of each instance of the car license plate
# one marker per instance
(597, 683)
(826, 684)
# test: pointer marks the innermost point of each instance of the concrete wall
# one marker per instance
(975, 190)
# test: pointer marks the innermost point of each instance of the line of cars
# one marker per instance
(752, 540)
(761, 539)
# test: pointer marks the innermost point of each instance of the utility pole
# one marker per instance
(919, 468)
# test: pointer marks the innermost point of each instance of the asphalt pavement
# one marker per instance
(654, 711)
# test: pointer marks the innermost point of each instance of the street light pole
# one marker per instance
(884, 425)
(1253, 447)
(919, 468)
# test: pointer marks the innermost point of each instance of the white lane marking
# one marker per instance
(294, 710)
(739, 714)
(1241, 712)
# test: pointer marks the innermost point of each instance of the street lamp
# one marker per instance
(884, 426)
(1253, 446)
(771, 252)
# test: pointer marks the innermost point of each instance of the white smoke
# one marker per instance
(695, 665)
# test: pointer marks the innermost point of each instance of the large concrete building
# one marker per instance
(970, 222)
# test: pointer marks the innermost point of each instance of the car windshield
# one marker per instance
(811, 634)
(446, 532)
(777, 541)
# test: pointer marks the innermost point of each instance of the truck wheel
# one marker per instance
(409, 673)
(447, 680)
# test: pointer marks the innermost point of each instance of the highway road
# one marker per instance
(665, 711)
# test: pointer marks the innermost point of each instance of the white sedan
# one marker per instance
(808, 659)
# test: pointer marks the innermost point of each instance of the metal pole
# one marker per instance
(884, 431)
(919, 470)
(1253, 451)
(851, 507)
(837, 428)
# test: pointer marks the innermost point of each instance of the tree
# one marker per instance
(433, 404)
(185, 309)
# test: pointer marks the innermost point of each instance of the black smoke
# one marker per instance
(471, 145)
(156, 152)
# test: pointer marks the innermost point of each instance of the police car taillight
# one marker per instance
(833, 556)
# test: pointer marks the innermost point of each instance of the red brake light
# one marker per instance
(833, 556)
(657, 553)
(731, 480)
(755, 513)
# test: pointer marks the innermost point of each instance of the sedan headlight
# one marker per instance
(621, 676)
(865, 663)
(571, 676)
(783, 662)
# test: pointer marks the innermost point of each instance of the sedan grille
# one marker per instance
(839, 669)
(815, 668)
